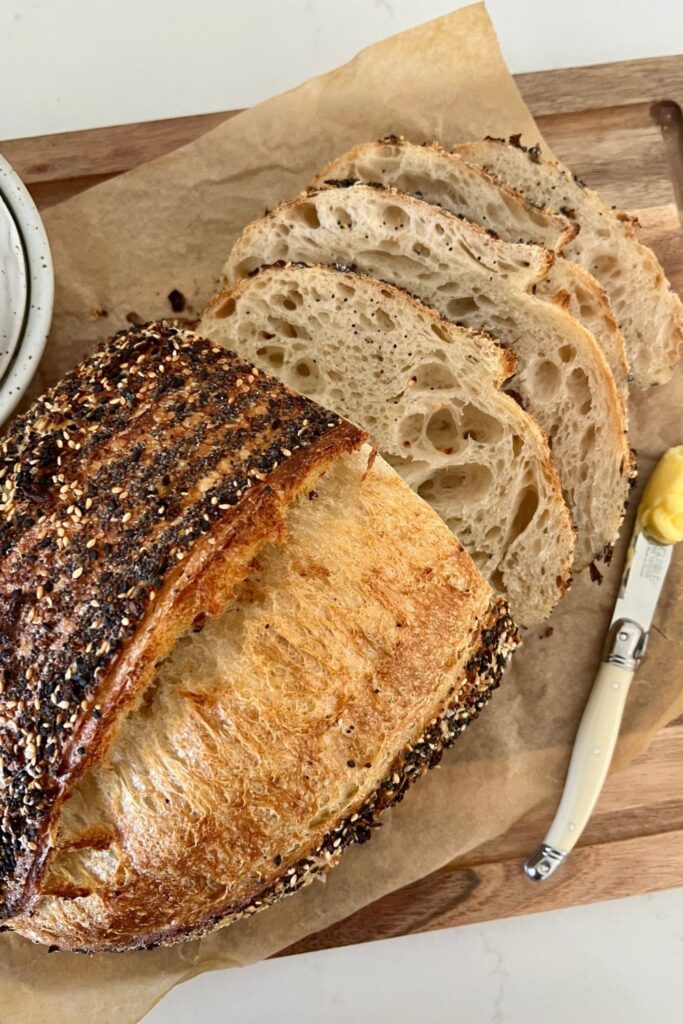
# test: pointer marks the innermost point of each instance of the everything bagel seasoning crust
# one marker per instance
(160, 461)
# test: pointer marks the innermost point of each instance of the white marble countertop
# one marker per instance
(608, 963)
(600, 964)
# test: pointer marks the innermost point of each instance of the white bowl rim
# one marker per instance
(13, 287)
(40, 284)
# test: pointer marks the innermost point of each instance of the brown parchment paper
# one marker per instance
(123, 246)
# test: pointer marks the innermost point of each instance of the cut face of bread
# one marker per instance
(468, 191)
(649, 313)
(418, 384)
(572, 288)
(482, 283)
(437, 176)
(358, 646)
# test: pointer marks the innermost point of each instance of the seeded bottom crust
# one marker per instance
(482, 676)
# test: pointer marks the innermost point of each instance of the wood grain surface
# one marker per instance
(619, 126)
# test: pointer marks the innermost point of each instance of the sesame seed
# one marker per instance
(77, 573)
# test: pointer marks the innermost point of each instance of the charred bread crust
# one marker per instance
(497, 638)
(161, 463)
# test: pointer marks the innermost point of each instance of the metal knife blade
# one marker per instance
(641, 584)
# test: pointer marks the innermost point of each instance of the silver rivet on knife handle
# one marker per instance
(626, 644)
(543, 863)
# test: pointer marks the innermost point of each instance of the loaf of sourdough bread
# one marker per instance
(230, 638)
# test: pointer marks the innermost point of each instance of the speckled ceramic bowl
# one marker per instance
(27, 289)
(13, 287)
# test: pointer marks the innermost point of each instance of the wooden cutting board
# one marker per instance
(619, 127)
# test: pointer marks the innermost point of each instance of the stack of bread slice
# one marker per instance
(454, 316)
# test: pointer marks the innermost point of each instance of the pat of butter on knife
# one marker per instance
(660, 512)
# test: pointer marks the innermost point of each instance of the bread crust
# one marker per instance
(131, 502)
(490, 644)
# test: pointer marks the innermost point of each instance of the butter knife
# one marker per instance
(659, 525)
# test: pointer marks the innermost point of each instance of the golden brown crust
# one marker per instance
(134, 495)
(490, 645)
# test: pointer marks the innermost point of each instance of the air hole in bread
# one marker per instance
(577, 386)
(305, 376)
(566, 353)
(342, 217)
(441, 332)
(547, 379)
(517, 445)
(497, 581)
(604, 266)
(292, 300)
(434, 376)
(383, 320)
(504, 267)
(410, 429)
(404, 269)
(526, 509)
(478, 426)
(459, 308)
(492, 212)
(224, 309)
(285, 328)
(247, 266)
(587, 442)
(443, 431)
(396, 218)
(307, 214)
(471, 479)
(421, 250)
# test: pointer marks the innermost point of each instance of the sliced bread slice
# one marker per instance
(434, 174)
(467, 190)
(649, 313)
(374, 354)
(482, 283)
